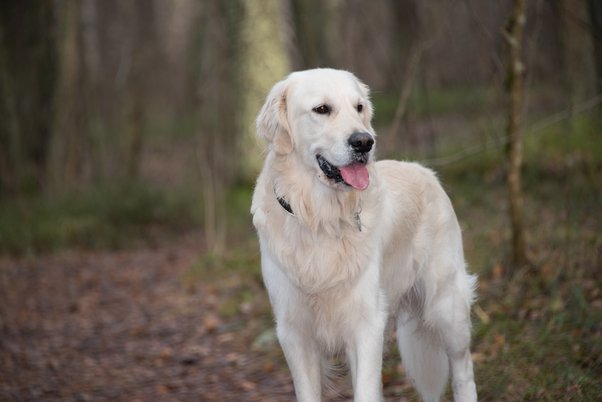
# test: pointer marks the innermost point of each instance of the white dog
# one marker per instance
(347, 242)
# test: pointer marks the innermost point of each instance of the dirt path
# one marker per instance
(123, 326)
(127, 325)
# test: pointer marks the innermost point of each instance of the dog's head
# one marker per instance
(323, 117)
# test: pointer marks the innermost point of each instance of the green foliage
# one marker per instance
(462, 100)
(96, 218)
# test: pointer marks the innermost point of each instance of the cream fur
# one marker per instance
(333, 286)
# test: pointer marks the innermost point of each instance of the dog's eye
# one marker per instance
(359, 108)
(322, 109)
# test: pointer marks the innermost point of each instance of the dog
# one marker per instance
(347, 242)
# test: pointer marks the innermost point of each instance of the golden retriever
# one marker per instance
(347, 242)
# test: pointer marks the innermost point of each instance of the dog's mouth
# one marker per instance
(354, 175)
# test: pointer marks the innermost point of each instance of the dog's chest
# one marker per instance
(318, 261)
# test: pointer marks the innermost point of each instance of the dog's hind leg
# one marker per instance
(423, 356)
(452, 319)
(439, 339)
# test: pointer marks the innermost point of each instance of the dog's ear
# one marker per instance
(272, 121)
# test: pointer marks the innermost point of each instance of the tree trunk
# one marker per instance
(70, 128)
(595, 16)
(406, 90)
(264, 61)
(216, 54)
(311, 20)
(93, 66)
(515, 91)
(9, 129)
(141, 15)
(28, 61)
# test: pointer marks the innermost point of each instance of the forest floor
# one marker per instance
(166, 322)
(138, 325)
(124, 325)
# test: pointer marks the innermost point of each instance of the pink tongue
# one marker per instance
(356, 175)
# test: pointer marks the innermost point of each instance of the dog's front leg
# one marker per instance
(294, 330)
(303, 358)
(365, 344)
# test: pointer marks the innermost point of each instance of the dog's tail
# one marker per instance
(424, 358)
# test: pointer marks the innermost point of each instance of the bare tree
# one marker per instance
(595, 15)
(406, 89)
(216, 58)
(515, 90)
(312, 20)
(407, 43)
(68, 144)
(28, 76)
(141, 40)
(263, 61)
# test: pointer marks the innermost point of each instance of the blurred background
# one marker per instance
(127, 147)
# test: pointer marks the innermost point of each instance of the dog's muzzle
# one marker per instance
(355, 174)
(330, 171)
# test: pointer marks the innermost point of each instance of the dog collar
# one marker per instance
(284, 204)
(287, 207)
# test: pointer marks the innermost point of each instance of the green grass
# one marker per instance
(110, 216)
(104, 217)
(541, 343)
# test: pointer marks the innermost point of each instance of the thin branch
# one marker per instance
(502, 140)
(408, 84)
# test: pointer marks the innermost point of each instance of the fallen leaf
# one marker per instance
(211, 322)
(268, 367)
(497, 272)
(248, 385)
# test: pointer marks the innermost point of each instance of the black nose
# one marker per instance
(361, 142)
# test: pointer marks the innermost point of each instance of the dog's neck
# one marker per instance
(287, 207)
(301, 194)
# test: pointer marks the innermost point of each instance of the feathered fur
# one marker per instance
(332, 286)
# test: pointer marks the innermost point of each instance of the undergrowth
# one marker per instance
(101, 217)
(537, 330)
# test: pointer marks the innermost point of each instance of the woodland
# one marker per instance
(129, 267)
